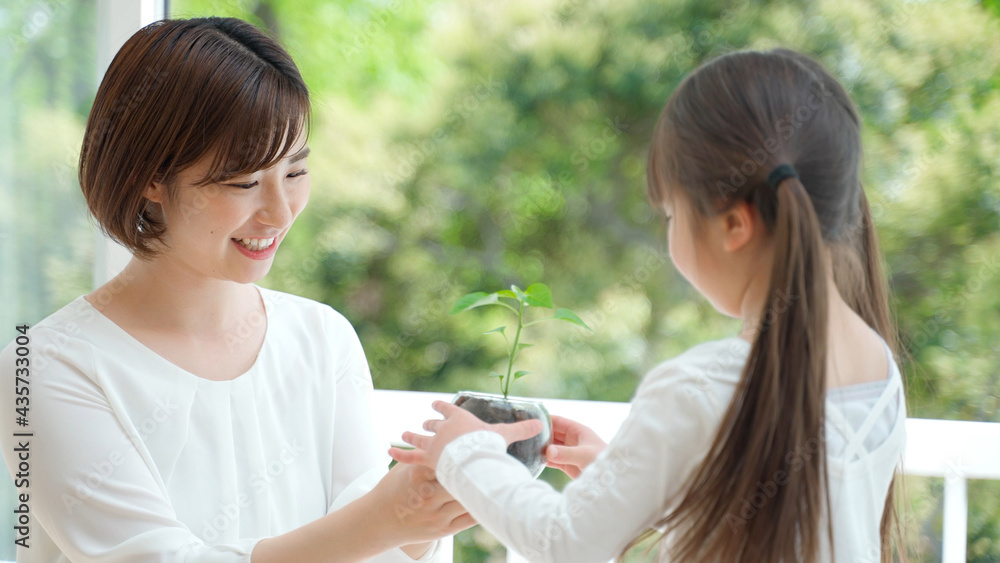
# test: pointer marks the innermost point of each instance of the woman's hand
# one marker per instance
(574, 446)
(419, 508)
(457, 421)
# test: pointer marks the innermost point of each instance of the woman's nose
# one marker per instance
(275, 209)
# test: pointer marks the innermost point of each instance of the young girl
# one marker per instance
(777, 445)
(180, 411)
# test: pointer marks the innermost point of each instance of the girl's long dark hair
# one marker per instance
(728, 125)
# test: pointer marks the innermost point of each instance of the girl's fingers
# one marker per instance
(445, 408)
(559, 425)
(574, 455)
(416, 457)
(432, 425)
(571, 470)
(416, 440)
(517, 431)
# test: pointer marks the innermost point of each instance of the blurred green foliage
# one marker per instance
(465, 145)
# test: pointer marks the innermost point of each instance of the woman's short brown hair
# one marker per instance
(178, 91)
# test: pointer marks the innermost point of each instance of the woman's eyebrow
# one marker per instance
(299, 155)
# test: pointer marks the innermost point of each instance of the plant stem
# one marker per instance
(513, 351)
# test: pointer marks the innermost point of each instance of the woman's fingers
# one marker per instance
(452, 509)
(462, 522)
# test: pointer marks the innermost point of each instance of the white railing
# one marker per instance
(954, 450)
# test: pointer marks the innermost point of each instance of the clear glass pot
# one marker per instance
(494, 408)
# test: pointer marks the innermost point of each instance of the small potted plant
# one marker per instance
(492, 408)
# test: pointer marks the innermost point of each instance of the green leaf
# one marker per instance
(518, 294)
(539, 295)
(474, 300)
(570, 316)
(499, 329)
(520, 374)
(524, 345)
(495, 374)
(507, 293)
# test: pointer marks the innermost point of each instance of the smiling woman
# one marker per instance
(230, 105)
(180, 411)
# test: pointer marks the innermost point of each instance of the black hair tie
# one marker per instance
(780, 173)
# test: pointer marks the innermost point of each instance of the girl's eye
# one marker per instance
(302, 172)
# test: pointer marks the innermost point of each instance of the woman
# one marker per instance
(180, 411)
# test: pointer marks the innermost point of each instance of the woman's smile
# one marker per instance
(256, 248)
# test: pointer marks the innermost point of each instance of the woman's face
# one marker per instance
(205, 225)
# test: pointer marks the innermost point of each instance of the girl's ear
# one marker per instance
(738, 224)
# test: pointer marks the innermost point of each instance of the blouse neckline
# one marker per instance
(197, 379)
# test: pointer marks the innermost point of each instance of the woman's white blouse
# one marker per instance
(135, 459)
(673, 419)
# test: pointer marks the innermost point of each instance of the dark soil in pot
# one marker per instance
(494, 408)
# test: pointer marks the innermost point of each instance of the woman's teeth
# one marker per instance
(256, 244)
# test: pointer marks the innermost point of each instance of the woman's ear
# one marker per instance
(738, 224)
(155, 192)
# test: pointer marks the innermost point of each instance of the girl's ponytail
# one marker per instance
(759, 492)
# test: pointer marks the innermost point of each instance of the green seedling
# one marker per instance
(517, 301)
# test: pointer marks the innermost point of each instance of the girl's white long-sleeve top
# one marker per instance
(633, 483)
(131, 458)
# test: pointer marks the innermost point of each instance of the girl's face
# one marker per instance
(702, 252)
(205, 225)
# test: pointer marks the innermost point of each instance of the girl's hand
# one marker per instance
(574, 446)
(457, 421)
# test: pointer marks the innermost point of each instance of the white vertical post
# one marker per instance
(447, 549)
(956, 515)
(513, 557)
(117, 20)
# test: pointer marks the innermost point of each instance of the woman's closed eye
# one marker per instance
(248, 185)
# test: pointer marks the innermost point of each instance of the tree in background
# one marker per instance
(467, 145)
